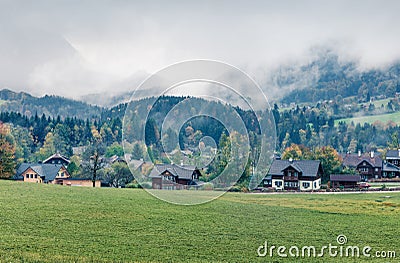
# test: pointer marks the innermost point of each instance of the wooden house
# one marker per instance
(42, 173)
(393, 157)
(344, 180)
(303, 175)
(172, 176)
(57, 159)
(369, 166)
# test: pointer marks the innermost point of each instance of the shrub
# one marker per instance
(146, 185)
(207, 186)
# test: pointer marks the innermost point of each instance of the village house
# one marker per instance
(393, 157)
(172, 176)
(115, 159)
(344, 180)
(57, 159)
(303, 175)
(42, 173)
(369, 166)
(52, 171)
(390, 170)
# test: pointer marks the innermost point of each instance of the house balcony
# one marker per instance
(290, 178)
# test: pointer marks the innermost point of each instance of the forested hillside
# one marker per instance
(328, 77)
(53, 106)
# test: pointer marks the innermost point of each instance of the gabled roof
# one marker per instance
(21, 168)
(136, 163)
(388, 167)
(115, 158)
(353, 160)
(345, 177)
(393, 154)
(57, 156)
(47, 171)
(307, 167)
(185, 171)
(294, 166)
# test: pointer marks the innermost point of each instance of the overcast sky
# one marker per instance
(72, 48)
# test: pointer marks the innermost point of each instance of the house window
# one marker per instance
(363, 169)
(27, 176)
(296, 174)
(35, 176)
(306, 185)
(315, 185)
(376, 169)
(278, 183)
(267, 182)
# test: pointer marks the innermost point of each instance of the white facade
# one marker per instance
(277, 184)
(306, 185)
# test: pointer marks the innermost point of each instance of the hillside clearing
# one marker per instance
(383, 118)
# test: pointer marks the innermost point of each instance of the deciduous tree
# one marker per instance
(7, 151)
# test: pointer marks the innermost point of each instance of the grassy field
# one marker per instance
(383, 118)
(46, 223)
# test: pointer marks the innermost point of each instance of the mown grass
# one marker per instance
(46, 223)
(383, 118)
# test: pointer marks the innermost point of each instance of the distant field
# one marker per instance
(378, 103)
(46, 223)
(384, 118)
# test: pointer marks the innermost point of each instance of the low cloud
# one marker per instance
(63, 48)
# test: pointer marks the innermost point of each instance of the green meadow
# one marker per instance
(383, 118)
(49, 223)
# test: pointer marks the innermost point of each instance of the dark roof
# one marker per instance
(345, 177)
(388, 167)
(115, 158)
(185, 171)
(136, 163)
(45, 170)
(307, 167)
(57, 156)
(393, 154)
(353, 160)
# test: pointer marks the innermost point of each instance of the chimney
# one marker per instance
(181, 162)
(359, 153)
(290, 160)
(372, 154)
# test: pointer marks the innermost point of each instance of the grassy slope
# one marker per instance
(46, 223)
(384, 118)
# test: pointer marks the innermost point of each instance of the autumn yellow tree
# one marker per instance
(331, 161)
(7, 151)
(297, 152)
